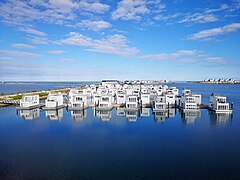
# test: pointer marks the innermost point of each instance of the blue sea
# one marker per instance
(91, 144)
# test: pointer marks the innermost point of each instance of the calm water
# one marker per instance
(137, 145)
(24, 87)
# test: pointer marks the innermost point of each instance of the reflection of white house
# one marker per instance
(159, 116)
(218, 118)
(105, 102)
(219, 104)
(131, 115)
(120, 112)
(29, 114)
(54, 100)
(54, 114)
(78, 102)
(79, 114)
(145, 112)
(104, 115)
(132, 102)
(29, 101)
(191, 116)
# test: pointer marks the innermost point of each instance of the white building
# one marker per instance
(219, 104)
(105, 102)
(78, 102)
(132, 102)
(29, 101)
(159, 104)
(170, 100)
(188, 102)
(120, 98)
(145, 99)
(54, 101)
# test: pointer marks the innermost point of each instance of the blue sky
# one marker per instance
(71, 40)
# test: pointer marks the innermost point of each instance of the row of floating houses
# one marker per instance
(110, 94)
(188, 117)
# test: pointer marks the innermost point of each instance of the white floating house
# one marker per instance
(29, 101)
(159, 104)
(78, 102)
(188, 102)
(121, 98)
(145, 99)
(170, 100)
(29, 114)
(132, 102)
(105, 102)
(219, 104)
(54, 101)
(96, 97)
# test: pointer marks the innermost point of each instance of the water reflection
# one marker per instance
(189, 117)
(29, 114)
(54, 114)
(103, 115)
(131, 115)
(219, 118)
(79, 115)
(161, 116)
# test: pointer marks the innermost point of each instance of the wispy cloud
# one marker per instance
(57, 52)
(5, 58)
(38, 40)
(67, 59)
(94, 25)
(209, 34)
(33, 31)
(199, 18)
(184, 56)
(23, 46)
(135, 9)
(116, 44)
(20, 54)
(61, 12)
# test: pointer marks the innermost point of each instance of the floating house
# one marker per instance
(188, 102)
(78, 102)
(145, 99)
(105, 103)
(29, 101)
(219, 104)
(132, 102)
(159, 104)
(121, 98)
(54, 101)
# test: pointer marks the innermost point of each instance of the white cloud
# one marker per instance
(5, 58)
(33, 31)
(23, 46)
(63, 12)
(184, 56)
(38, 40)
(94, 25)
(56, 52)
(199, 18)
(116, 44)
(20, 54)
(222, 7)
(67, 60)
(211, 33)
(135, 9)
